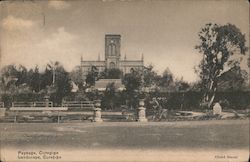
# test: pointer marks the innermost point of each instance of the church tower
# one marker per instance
(112, 50)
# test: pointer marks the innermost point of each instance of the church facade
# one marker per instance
(112, 58)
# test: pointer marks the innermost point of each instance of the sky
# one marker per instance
(165, 32)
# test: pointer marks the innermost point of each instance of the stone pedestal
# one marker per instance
(141, 112)
(2, 112)
(97, 111)
(217, 110)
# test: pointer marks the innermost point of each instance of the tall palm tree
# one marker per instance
(52, 66)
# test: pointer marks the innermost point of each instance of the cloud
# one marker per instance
(39, 48)
(57, 40)
(60, 46)
(14, 23)
(59, 5)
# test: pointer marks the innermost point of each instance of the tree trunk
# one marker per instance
(212, 98)
(210, 94)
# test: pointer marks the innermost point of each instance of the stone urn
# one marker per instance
(46, 99)
(141, 112)
(97, 111)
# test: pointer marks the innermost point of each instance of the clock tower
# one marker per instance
(112, 50)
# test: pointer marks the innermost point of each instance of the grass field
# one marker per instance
(174, 140)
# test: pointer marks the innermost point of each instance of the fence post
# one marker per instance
(15, 119)
(141, 112)
(46, 101)
(97, 111)
(58, 117)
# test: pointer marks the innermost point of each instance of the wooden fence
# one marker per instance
(32, 104)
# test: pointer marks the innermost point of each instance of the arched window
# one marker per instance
(113, 50)
(132, 70)
(112, 65)
(110, 49)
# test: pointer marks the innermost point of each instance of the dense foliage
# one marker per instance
(19, 84)
(217, 45)
(110, 74)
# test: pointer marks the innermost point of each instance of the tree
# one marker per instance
(133, 83)
(14, 76)
(109, 98)
(218, 44)
(9, 76)
(21, 75)
(233, 80)
(77, 77)
(166, 81)
(181, 85)
(58, 82)
(46, 78)
(62, 84)
(92, 76)
(150, 77)
(14, 83)
(34, 81)
(248, 62)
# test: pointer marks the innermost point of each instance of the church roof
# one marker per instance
(112, 35)
(93, 63)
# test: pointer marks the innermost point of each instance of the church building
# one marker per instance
(112, 58)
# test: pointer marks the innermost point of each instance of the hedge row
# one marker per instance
(173, 100)
(191, 100)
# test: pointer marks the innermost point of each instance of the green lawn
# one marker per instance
(225, 134)
(159, 137)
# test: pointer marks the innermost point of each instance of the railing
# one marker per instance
(32, 104)
(78, 104)
(69, 111)
(1, 104)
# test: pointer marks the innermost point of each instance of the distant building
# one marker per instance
(112, 58)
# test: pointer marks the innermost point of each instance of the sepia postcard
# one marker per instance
(124, 81)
